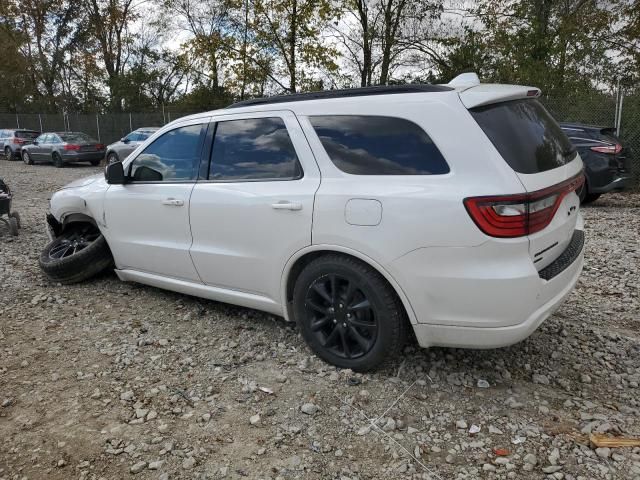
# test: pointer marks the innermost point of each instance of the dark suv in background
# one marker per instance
(12, 141)
(606, 160)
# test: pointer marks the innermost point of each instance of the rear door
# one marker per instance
(536, 148)
(253, 208)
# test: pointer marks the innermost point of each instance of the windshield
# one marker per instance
(75, 137)
(525, 134)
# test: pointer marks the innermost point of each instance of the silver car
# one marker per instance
(121, 149)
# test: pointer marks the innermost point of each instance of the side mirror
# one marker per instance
(114, 173)
(125, 140)
(35, 142)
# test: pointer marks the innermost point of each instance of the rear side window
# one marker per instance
(29, 135)
(253, 149)
(375, 145)
(525, 134)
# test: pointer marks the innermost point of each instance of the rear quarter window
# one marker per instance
(377, 145)
(525, 134)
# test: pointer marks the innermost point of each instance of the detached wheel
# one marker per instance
(78, 254)
(348, 314)
(57, 160)
(26, 158)
(13, 226)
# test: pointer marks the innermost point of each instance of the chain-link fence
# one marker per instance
(601, 110)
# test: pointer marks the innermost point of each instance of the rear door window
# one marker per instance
(376, 145)
(525, 134)
(253, 149)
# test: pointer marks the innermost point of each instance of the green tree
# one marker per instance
(289, 32)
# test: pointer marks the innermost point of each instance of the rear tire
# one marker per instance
(590, 198)
(348, 314)
(78, 254)
(8, 154)
(26, 158)
(95, 163)
(57, 160)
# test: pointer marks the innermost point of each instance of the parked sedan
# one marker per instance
(63, 147)
(121, 149)
(606, 160)
(12, 141)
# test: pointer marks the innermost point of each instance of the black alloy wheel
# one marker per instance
(74, 241)
(341, 316)
(77, 254)
(348, 314)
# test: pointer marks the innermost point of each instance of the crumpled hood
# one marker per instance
(83, 181)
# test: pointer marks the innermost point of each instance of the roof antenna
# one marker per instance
(469, 79)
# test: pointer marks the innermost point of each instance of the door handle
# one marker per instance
(287, 206)
(174, 202)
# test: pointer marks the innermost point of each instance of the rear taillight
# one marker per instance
(100, 146)
(508, 216)
(18, 141)
(610, 149)
(72, 147)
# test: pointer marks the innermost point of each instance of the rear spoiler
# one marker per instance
(475, 94)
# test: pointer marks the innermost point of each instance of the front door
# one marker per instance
(147, 218)
(253, 209)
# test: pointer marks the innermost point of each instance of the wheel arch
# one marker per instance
(77, 218)
(302, 258)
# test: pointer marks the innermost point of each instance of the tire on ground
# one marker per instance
(393, 323)
(78, 267)
(590, 198)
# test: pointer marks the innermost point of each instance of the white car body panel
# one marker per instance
(227, 242)
(243, 234)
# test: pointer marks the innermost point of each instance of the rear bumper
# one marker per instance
(470, 337)
(618, 183)
(487, 301)
(82, 156)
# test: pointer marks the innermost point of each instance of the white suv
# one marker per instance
(359, 213)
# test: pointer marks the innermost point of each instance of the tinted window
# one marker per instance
(371, 145)
(526, 136)
(29, 135)
(41, 138)
(171, 157)
(76, 137)
(142, 136)
(132, 137)
(253, 149)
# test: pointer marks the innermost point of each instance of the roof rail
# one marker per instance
(343, 93)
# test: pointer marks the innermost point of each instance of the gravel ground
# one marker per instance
(113, 380)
